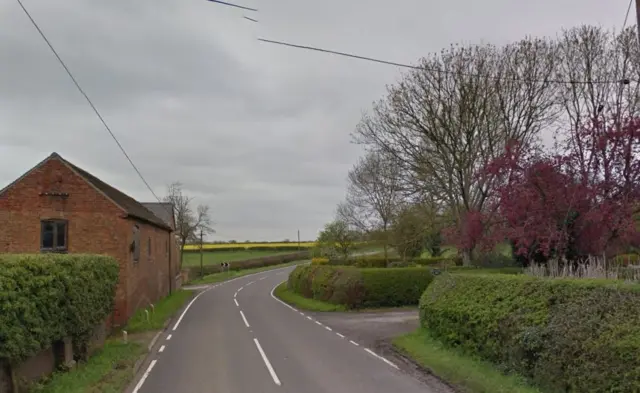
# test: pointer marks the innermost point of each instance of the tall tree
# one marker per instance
(337, 237)
(373, 194)
(455, 113)
(189, 223)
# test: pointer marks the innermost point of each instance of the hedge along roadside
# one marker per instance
(359, 288)
(381, 262)
(194, 271)
(47, 297)
(566, 335)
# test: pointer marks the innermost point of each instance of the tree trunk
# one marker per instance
(466, 257)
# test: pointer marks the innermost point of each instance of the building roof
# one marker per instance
(163, 210)
(131, 207)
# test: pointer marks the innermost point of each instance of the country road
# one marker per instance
(237, 338)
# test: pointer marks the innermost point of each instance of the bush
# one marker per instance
(496, 260)
(563, 334)
(439, 261)
(358, 288)
(480, 270)
(626, 260)
(47, 297)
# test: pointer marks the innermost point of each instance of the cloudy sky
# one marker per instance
(258, 132)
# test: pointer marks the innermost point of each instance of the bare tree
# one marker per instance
(189, 223)
(451, 117)
(373, 195)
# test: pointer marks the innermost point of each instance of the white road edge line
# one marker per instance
(236, 302)
(240, 289)
(161, 349)
(328, 328)
(244, 319)
(382, 358)
(318, 323)
(224, 282)
(235, 294)
(250, 283)
(144, 376)
(309, 318)
(339, 335)
(267, 363)
(262, 278)
(354, 343)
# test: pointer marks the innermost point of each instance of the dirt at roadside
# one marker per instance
(375, 330)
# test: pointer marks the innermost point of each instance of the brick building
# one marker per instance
(58, 207)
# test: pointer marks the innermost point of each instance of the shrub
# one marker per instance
(626, 260)
(439, 261)
(563, 334)
(480, 270)
(357, 288)
(47, 297)
(394, 287)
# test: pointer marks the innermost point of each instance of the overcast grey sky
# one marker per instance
(258, 132)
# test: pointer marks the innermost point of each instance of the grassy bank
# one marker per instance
(215, 258)
(108, 371)
(163, 310)
(219, 277)
(468, 374)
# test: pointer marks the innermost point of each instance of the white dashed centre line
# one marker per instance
(328, 328)
(249, 283)
(339, 335)
(354, 343)
(244, 319)
(236, 302)
(169, 337)
(318, 323)
(161, 349)
(267, 363)
(309, 318)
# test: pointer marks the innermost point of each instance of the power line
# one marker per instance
(95, 110)
(251, 19)
(375, 60)
(626, 17)
(233, 5)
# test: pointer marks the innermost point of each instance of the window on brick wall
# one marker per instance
(53, 235)
(135, 245)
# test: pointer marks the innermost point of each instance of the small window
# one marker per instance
(53, 235)
(135, 245)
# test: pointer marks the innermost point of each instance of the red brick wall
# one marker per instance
(95, 225)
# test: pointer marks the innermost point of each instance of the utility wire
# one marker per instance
(251, 19)
(626, 17)
(354, 56)
(233, 5)
(95, 110)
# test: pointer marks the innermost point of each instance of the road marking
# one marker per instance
(354, 343)
(161, 349)
(188, 307)
(381, 358)
(262, 278)
(153, 341)
(318, 323)
(236, 301)
(240, 289)
(244, 319)
(169, 337)
(249, 283)
(144, 376)
(301, 313)
(328, 328)
(309, 318)
(235, 294)
(267, 363)
(339, 335)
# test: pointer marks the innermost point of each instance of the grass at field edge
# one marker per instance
(219, 277)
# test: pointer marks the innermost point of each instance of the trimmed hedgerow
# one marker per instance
(381, 262)
(565, 335)
(271, 260)
(358, 288)
(47, 297)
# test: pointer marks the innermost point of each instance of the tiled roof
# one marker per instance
(132, 207)
(163, 210)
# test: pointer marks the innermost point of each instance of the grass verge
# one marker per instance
(468, 374)
(219, 277)
(303, 303)
(162, 311)
(107, 371)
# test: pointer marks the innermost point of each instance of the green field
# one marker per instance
(212, 258)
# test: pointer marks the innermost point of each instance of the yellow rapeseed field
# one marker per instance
(248, 246)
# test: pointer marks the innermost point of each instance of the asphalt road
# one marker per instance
(237, 338)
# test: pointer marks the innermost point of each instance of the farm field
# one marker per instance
(248, 246)
(211, 258)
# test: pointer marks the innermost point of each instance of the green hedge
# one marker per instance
(565, 335)
(46, 297)
(381, 262)
(194, 271)
(358, 288)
